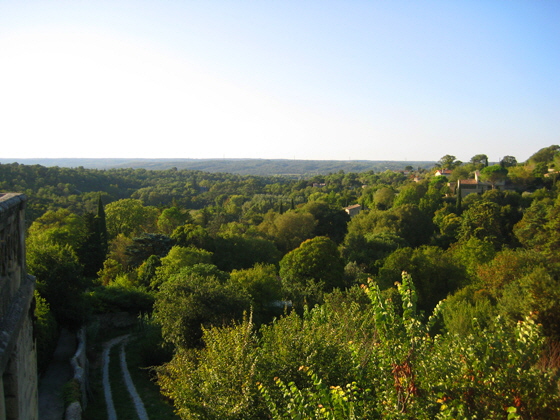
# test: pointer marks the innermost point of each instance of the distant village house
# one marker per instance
(353, 210)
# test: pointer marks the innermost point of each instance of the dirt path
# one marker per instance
(51, 383)
(138, 404)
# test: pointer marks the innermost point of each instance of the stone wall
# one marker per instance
(18, 359)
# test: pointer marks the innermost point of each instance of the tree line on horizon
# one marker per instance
(261, 167)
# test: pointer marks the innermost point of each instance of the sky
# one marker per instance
(279, 79)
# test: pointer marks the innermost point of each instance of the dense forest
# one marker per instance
(261, 298)
(262, 167)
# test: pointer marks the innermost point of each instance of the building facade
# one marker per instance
(18, 357)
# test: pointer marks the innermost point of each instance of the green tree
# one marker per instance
(482, 221)
(234, 251)
(187, 303)
(472, 253)
(410, 194)
(435, 271)
(313, 268)
(60, 227)
(331, 221)
(480, 161)
(383, 198)
(537, 292)
(411, 224)
(508, 266)
(46, 330)
(539, 170)
(369, 250)
(288, 230)
(447, 222)
(191, 234)
(94, 247)
(544, 155)
(59, 281)
(494, 174)
(177, 258)
(448, 162)
(148, 270)
(130, 218)
(532, 230)
(508, 161)
(461, 172)
(170, 219)
(142, 247)
(219, 381)
(264, 288)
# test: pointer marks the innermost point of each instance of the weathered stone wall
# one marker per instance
(18, 359)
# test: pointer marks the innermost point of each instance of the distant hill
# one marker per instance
(265, 167)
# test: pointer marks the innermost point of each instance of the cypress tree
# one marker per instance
(95, 246)
(459, 198)
(101, 227)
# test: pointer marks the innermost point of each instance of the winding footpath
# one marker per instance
(137, 401)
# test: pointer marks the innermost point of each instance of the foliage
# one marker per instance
(60, 227)
(436, 273)
(383, 198)
(317, 402)
(129, 217)
(472, 253)
(494, 174)
(482, 221)
(150, 347)
(146, 245)
(59, 281)
(217, 382)
(46, 331)
(288, 230)
(467, 311)
(480, 160)
(331, 220)
(508, 266)
(313, 268)
(187, 301)
(418, 376)
(176, 259)
(263, 287)
(538, 229)
(537, 292)
(368, 251)
(170, 219)
(94, 247)
(410, 194)
(406, 221)
(107, 299)
(508, 161)
(236, 252)
(544, 155)
(448, 162)
(191, 234)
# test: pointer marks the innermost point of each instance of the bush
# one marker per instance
(119, 299)
(46, 332)
(150, 347)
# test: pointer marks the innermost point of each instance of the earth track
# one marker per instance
(137, 401)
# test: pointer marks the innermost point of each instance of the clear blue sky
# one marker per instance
(348, 79)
